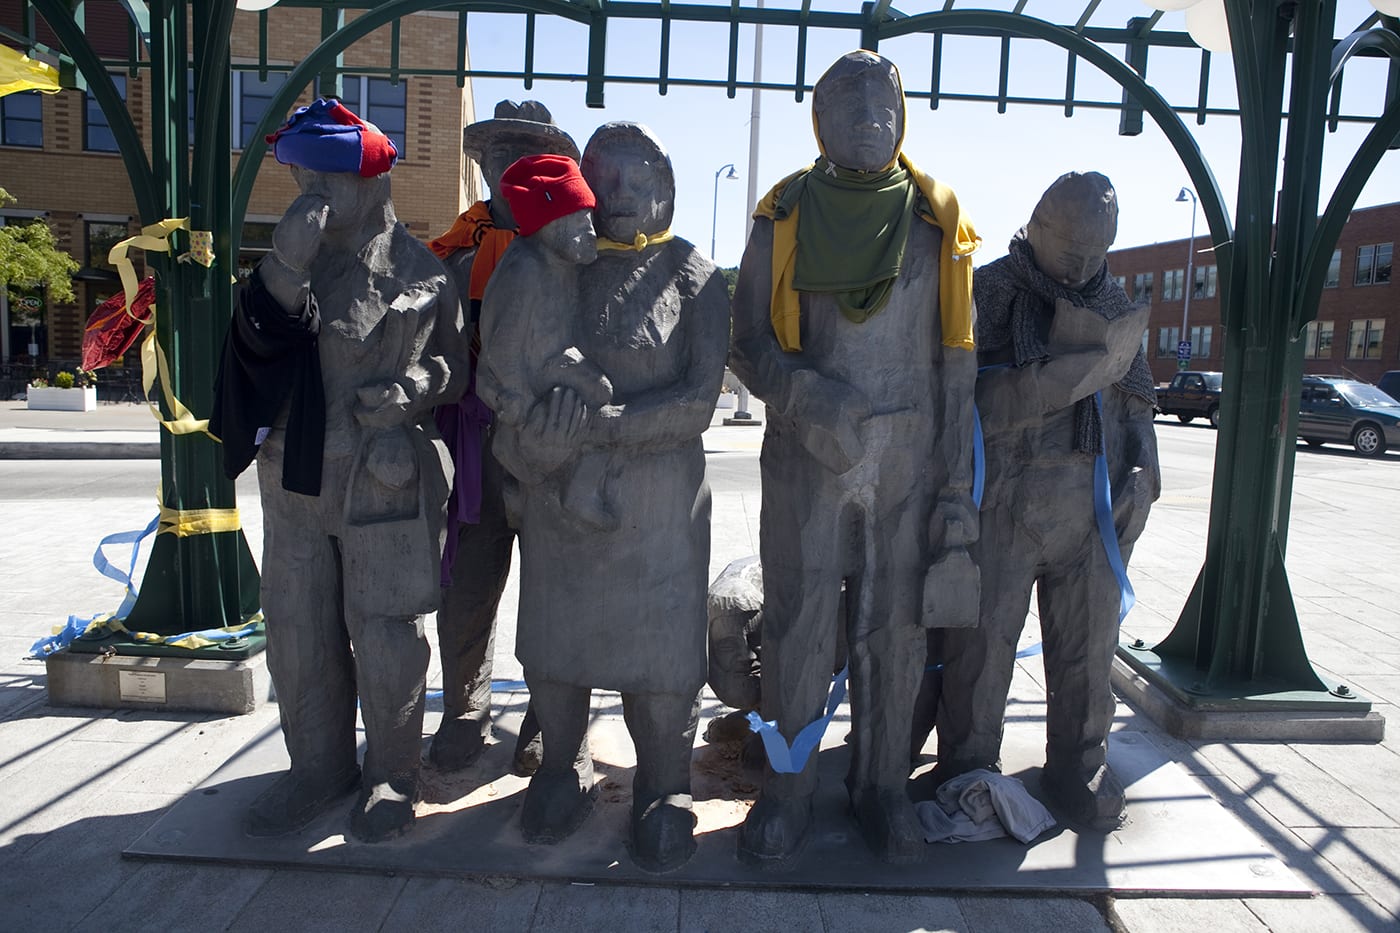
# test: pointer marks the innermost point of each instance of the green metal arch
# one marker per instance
(1019, 24)
(138, 168)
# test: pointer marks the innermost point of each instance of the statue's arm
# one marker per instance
(1137, 474)
(425, 326)
(681, 410)
(955, 522)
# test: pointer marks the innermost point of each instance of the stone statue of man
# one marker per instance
(348, 335)
(853, 322)
(1063, 382)
(476, 560)
(619, 605)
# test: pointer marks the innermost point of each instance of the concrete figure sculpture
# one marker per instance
(476, 560)
(620, 609)
(348, 336)
(1064, 382)
(853, 322)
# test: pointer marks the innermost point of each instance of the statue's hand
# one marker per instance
(551, 432)
(297, 236)
(829, 414)
(381, 406)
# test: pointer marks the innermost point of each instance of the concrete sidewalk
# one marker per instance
(83, 784)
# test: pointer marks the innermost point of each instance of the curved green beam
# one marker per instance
(133, 152)
(1019, 24)
(302, 75)
(1358, 172)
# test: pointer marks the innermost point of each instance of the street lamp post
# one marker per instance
(1181, 363)
(714, 214)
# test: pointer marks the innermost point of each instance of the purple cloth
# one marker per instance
(463, 427)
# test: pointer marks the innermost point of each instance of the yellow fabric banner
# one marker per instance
(19, 72)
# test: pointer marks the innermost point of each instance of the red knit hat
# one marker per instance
(543, 188)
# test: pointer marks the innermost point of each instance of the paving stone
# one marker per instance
(1175, 915)
(1031, 915)
(451, 905)
(858, 913)
(1290, 787)
(1371, 771)
(736, 910)
(1370, 858)
(158, 897)
(1331, 912)
(607, 907)
(316, 902)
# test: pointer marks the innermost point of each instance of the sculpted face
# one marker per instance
(498, 156)
(1067, 261)
(860, 121)
(571, 237)
(634, 188)
(351, 199)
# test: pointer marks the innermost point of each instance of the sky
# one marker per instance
(999, 164)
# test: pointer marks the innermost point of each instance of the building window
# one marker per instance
(97, 129)
(1317, 341)
(250, 102)
(1167, 338)
(1204, 286)
(101, 237)
(378, 101)
(1142, 288)
(1364, 339)
(1200, 341)
(1173, 284)
(1122, 281)
(1334, 270)
(22, 120)
(1373, 264)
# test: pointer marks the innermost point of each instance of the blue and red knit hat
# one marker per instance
(327, 137)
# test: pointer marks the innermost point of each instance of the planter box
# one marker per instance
(51, 399)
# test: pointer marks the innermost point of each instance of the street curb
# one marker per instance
(78, 450)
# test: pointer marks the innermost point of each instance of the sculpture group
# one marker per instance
(546, 371)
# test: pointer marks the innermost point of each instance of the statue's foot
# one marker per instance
(1097, 802)
(457, 744)
(381, 813)
(556, 803)
(529, 754)
(292, 802)
(731, 727)
(925, 786)
(888, 823)
(775, 830)
(663, 836)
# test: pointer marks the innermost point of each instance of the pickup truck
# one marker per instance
(1191, 395)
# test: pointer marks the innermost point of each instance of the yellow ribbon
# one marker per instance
(155, 238)
(105, 623)
(187, 522)
(640, 242)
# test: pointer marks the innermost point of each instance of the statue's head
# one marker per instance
(338, 157)
(1073, 226)
(631, 175)
(551, 201)
(515, 131)
(858, 108)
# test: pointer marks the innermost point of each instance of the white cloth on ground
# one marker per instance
(982, 805)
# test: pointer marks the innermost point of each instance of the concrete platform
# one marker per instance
(1176, 840)
(190, 685)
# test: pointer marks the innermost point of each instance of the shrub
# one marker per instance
(63, 380)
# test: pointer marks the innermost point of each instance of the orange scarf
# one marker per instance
(475, 230)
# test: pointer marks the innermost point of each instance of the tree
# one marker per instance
(29, 258)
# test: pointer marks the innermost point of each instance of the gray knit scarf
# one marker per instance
(1015, 303)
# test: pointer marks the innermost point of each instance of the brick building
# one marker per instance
(1357, 331)
(59, 159)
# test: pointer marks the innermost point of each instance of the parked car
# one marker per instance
(1343, 411)
(1390, 384)
(1191, 395)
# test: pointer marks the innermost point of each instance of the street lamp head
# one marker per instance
(1184, 194)
(732, 174)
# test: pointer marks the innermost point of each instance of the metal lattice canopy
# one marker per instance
(1237, 643)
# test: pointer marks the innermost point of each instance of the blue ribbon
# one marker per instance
(791, 760)
(1103, 514)
(502, 685)
(979, 459)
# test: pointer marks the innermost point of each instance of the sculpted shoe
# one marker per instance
(458, 743)
(887, 821)
(663, 835)
(381, 812)
(1097, 803)
(775, 830)
(556, 803)
(529, 753)
(731, 727)
(292, 802)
